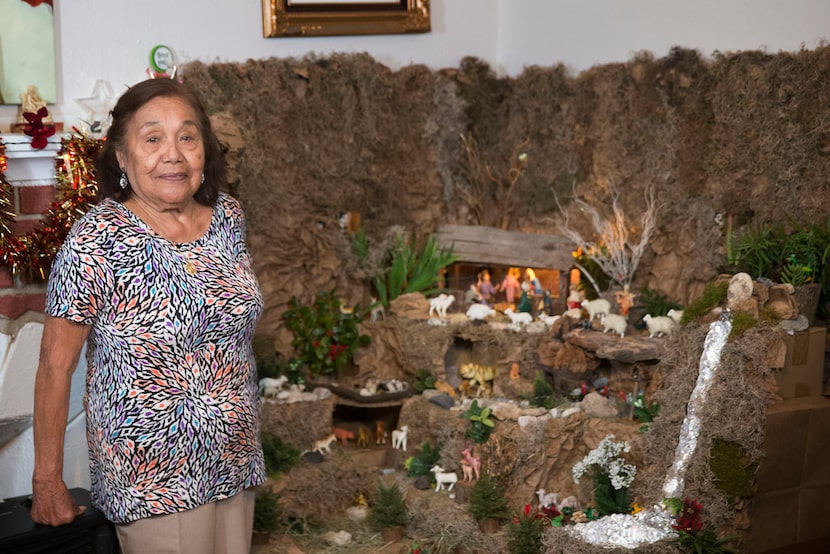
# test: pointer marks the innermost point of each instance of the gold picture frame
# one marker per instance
(305, 18)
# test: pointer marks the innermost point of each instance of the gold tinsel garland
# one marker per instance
(30, 256)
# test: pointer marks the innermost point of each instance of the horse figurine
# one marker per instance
(471, 465)
(380, 432)
(323, 446)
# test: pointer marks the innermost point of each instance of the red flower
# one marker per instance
(689, 519)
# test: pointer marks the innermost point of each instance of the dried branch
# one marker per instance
(488, 194)
(617, 246)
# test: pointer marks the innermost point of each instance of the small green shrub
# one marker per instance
(420, 463)
(279, 457)
(543, 393)
(487, 500)
(267, 512)
(388, 509)
(655, 303)
(423, 380)
(524, 535)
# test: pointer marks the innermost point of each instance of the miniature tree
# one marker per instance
(487, 500)
(389, 509)
(266, 511)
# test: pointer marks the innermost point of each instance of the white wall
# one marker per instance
(111, 40)
(584, 33)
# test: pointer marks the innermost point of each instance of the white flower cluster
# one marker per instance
(605, 458)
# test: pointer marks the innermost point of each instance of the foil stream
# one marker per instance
(654, 524)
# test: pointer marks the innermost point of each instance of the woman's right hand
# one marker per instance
(52, 504)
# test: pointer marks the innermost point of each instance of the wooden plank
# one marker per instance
(488, 245)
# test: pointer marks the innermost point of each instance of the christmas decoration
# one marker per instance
(30, 256)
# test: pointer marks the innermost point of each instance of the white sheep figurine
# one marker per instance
(269, 386)
(480, 312)
(658, 325)
(548, 320)
(596, 307)
(614, 322)
(676, 315)
(440, 303)
(443, 478)
(519, 318)
(399, 437)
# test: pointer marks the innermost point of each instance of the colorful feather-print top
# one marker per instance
(171, 398)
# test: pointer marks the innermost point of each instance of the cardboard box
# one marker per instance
(793, 481)
(803, 373)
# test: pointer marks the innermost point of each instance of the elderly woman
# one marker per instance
(156, 279)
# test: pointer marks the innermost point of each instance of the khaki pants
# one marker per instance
(222, 527)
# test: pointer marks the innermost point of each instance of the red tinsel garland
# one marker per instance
(30, 256)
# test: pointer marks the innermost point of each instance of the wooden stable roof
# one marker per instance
(488, 245)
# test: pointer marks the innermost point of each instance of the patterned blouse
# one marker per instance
(171, 398)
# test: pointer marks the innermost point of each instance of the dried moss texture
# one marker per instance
(744, 133)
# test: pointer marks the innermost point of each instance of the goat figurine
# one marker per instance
(444, 478)
(399, 437)
(470, 465)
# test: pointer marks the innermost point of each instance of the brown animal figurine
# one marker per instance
(445, 388)
(380, 432)
(343, 435)
(363, 437)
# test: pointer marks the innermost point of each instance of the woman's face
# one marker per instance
(164, 155)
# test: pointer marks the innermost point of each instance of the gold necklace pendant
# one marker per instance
(190, 267)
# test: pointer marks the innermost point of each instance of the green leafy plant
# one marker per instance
(267, 511)
(759, 249)
(388, 509)
(525, 534)
(420, 463)
(655, 303)
(279, 457)
(325, 335)
(405, 267)
(481, 423)
(487, 500)
(423, 380)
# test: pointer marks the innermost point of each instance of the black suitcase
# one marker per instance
(90, 533)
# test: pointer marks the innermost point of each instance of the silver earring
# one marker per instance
(202, 182)
(123, 182)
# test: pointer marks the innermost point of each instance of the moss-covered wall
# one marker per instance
(745, 133)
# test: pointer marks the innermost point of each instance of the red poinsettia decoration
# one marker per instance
(689, 519)
(36, 129)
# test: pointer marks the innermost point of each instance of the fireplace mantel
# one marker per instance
(26, 165)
